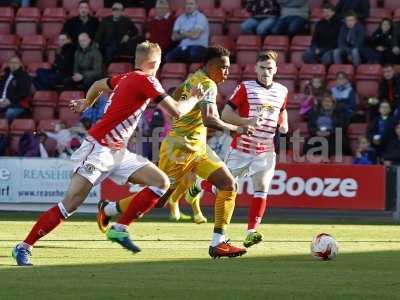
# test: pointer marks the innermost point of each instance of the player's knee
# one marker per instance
(163, 182)
(72, 201)
(228, 183)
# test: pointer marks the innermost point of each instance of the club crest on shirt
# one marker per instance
(266, 108)
(89, 168)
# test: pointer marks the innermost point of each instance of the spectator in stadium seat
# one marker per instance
(62, 68)
(159, 28)
(364, 154)
(313, 92)
(396, 43)
(293, 17)
(381, 130)
(391, 155)
(15, 90)
(324, 39)
(88, 64)
(191, 30)
(116, 34)
(351, 41)
(389, 91)
(344, 93)
(323, 122)
(360, 7)
(382, 41)
(84, 22)
(263, 17)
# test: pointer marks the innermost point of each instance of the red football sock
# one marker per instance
(142, 203)
(256, 212)
(207, 186)
(44, 225)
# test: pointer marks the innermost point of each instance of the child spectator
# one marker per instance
(382, 41)
(313, 91)
(365, 154)
(344, 93)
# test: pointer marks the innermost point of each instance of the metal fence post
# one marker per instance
(396, 214)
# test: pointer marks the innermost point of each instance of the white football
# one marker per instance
(324, 247)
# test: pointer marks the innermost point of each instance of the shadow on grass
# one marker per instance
(367, 275)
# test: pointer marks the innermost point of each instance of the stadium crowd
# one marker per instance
(339, 60)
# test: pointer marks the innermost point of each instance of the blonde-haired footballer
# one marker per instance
(261, 103)
(184, 151)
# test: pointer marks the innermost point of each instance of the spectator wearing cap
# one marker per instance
(263, 17)
(116, 34)
(84, 22)
(191, 30)
(324, 38)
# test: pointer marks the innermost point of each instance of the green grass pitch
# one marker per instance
(76, 262)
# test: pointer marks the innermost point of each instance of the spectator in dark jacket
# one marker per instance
(391, 155)
(116, 34)
(293, 17)
(344, 93)
(15, 90)
(88, 64)
(351, 41)
(396, 43)
(360, 7)
(323, 122)
(62, 68)
(324, 39)
(365, 154)
(263, 17)
(380, 131)
(159, 28)
(382, 42)
(82, 23)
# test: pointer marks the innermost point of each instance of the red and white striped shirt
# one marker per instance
(131, 94)
(251, 99)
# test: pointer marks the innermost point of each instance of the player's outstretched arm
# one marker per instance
(211, 119)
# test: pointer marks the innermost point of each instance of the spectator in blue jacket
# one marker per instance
(344, 93)
(351, 41)
(365, 154)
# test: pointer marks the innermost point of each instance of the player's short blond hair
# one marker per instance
(266, 55)
(147, 50)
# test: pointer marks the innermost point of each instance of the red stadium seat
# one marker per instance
(247, 47)
(396, 15)
(6, 19)
(175, 4)
(216, 19)
(295, 100)
(68, 117)
(26, 21)
(20, 126)
(206, 4)
(171, 83)
(294, 115)
(46, 125)
(32, 67)
(287, 75)
(105, 12)
(224, 41)
(95, 5)
(137, 15)
(238, 16)
(194, 67)
(44, 104)
(317, 13)
(375, 17)
(235, 72)
(52, 21)
(335, 68)
(357, 129)
(4, 126)
(391, 4)
(8, 46)
(316, 3)
(227, 87)
(174, 70)
(70, 5)
(308, 71)
(230, 5)
(32, 48)
(249, 72)
(118, 68)
(302, 127)
(367, 80)
(67, 96)
(278, 43)
(298, 46)
(43, 4)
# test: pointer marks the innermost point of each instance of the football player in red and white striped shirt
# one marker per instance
(104, 154)
(261, 103)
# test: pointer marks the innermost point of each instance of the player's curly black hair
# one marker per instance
(215, 52)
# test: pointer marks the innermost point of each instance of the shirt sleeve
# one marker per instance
(177, 24)
(114, 80)
(238, 97)
(202, 22)
(210, 93)
(153, 89)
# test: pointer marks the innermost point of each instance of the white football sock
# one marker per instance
(120, 227)
(111, 209)
(217, 239)
(250, 231)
